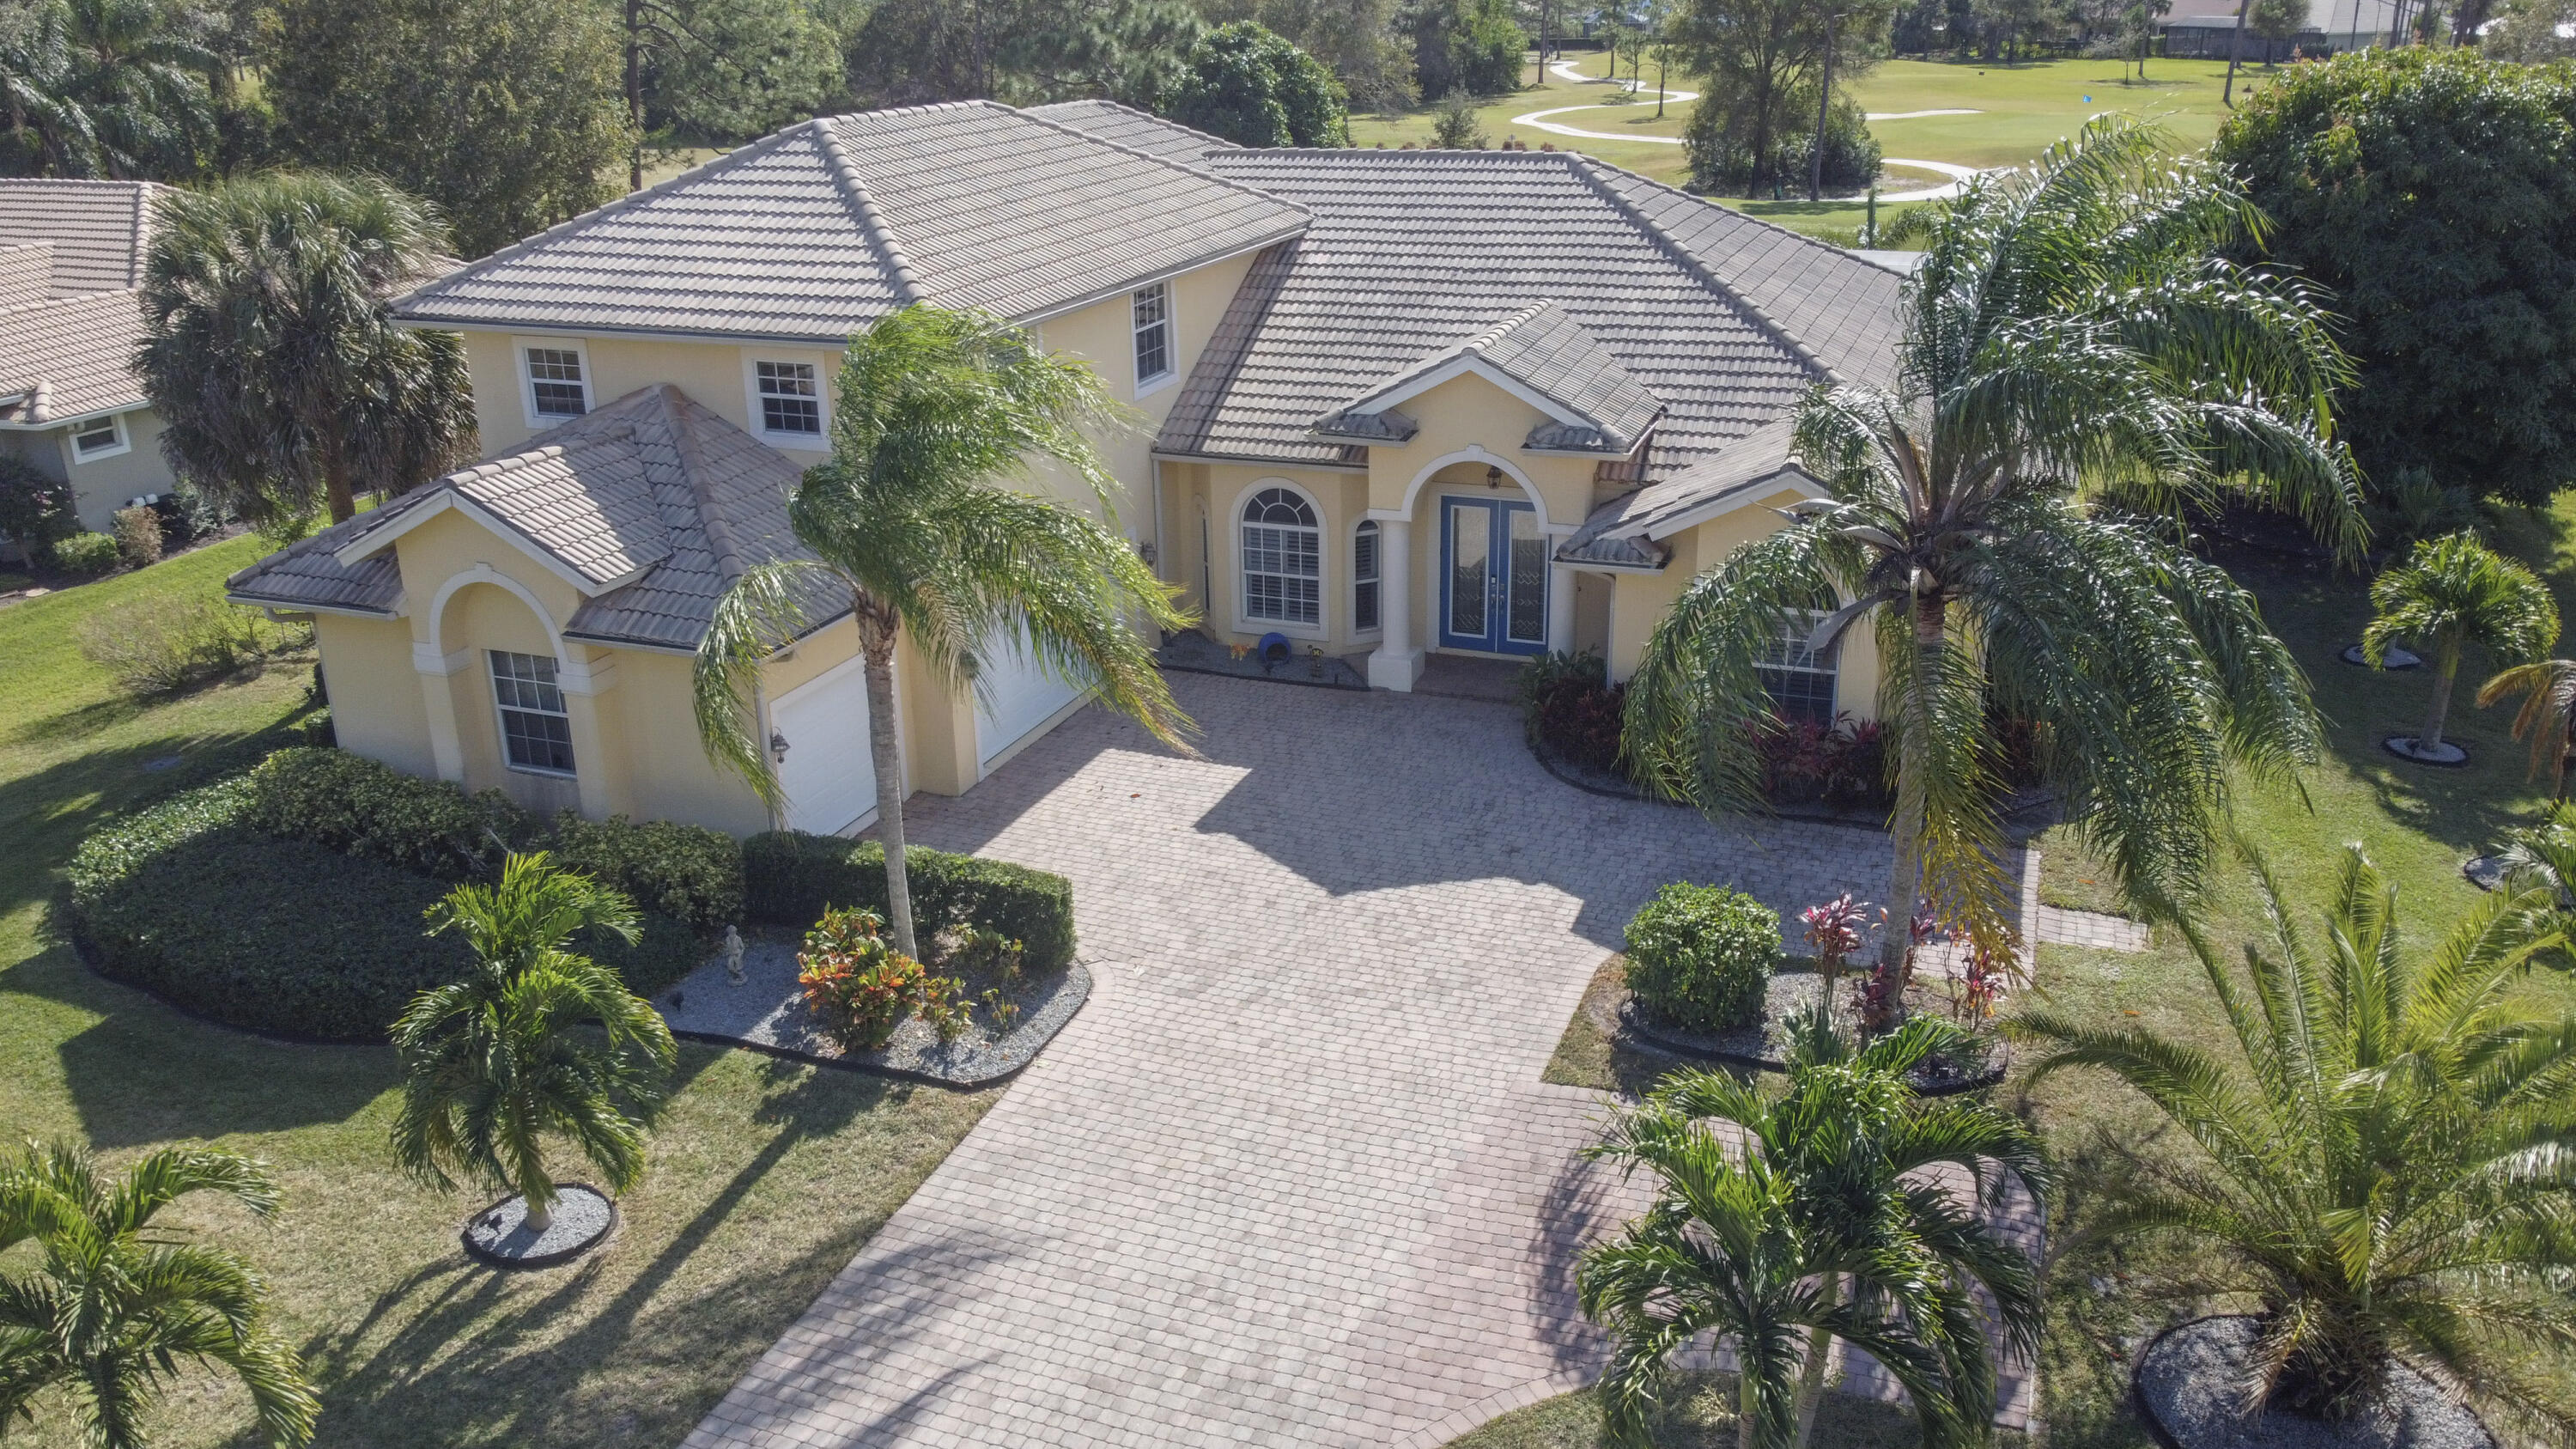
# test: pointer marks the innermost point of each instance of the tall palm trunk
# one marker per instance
(1824, 110)
(1748, 1403)
(885, 756)
(1811, 1377)
(1905, 885)
(337, 490)
(2235, 48)
(2444, 675)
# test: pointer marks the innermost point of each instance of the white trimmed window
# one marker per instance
(1364, 577)
(1800, 680)
(98, 438)
(557, 385)
(1152, 307)
(536, 730)
(1283, 564)
(791, 398)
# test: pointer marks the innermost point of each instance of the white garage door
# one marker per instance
(828, 779)
(1016, 698)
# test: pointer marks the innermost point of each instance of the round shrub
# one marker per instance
(1700, 957)
(86, 555)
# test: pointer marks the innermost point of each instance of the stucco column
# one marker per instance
(438, 698)
(1396, 663)
(1560, 606)
(583, 682)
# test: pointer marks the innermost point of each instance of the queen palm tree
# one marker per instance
(2078, 365)
(494, 1062)
(2381, 1162)
(282, 384)
(913, 522)
(2452, 592)
(1810, 1232)
(114, 1305)
(2547, 689)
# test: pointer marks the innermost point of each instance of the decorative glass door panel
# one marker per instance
(1495, 573)
(1470, 535)
(1525, 614)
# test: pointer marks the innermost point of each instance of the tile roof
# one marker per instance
(653, 500)
(1128, 126)
(1412, 254)
(70, 359)
(1629, 530)
(97, 228)
(814, 232)
(1603, 408)
(26, 273)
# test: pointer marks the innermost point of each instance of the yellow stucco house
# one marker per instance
(1394, 403)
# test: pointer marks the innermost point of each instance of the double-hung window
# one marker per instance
(1800, 680)
(791, 398)
(97, 438)
(556, 386)
(1364, 580)
(1152, 308)
(1282, 559)
(536, 731)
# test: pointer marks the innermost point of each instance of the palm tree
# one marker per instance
(2547, 689)
(911, 522)
(119, 88)
(2079, 364)
(2382, 1165)
(114, 1306)
(281, 382)
(495, 1061)
(2452, 592)
(1810, 1232)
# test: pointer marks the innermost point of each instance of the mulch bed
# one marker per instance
(2188, 1389)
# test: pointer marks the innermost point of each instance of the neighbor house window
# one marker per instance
(97, 438)
(1153, 308)
(1282, 559)
(1800, 680)
(555, 384)
(1364, 576)
(791, 400)
(536, 733)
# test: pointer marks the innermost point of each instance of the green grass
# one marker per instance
(766, 1177)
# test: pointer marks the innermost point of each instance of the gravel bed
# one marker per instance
(499, 1234)
(2393, 658)
(2187, 1383)
(768, 1012)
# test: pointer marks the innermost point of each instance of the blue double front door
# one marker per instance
(1493, 590)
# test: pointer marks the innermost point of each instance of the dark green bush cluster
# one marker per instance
(358, 807)
(791, 877)
(86, 555)
(687, 872)
(1701, 957)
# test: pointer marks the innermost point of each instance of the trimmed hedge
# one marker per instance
(356, 806)
(791, 877)
(1701, 957)
(686, 872)
(191, 901)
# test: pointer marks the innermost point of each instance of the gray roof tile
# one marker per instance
(1545, 350)
(1620, 531)
(97, 228)
(817, 231)
(1131, 127)
(70, 358)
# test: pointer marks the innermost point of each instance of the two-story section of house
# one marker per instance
(1389, 403)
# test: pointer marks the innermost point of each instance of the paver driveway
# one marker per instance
(1291, 1177)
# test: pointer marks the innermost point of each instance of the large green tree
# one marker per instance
(116, 88)
(1241, 82)
(508, 115)
(2378, 1159)
(1811, 1231)
(282, 385)
(1355, 39)
(2077, 365)
(1473, 46)
(1758, 61)
(109, 1305)
(1021, 51)
(499, 1060)
(915, 525)
(2430, 194)
(722, 70)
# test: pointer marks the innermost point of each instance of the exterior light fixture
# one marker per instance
(778, 747)
(1493, 476)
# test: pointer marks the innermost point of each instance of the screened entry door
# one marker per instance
(1493, 593)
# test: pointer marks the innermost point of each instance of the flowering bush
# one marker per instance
(1803, 762)
(1572, 709)
(857, 985)
(1833, 930)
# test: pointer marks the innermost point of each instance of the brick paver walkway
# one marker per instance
(1291, 1177)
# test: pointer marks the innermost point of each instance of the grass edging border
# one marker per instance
(1080, 971)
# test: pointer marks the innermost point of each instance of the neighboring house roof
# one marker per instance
(815, 232)
(1128, 126)
(2328, 17)
(70, 359)
(1541, 353)
(650, 507)
(1629, 531)
(1413, 254)
(26, 273)
(97, 228)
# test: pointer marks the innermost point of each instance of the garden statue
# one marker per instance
(733, 956)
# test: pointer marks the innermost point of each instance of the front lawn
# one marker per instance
(766, 1177)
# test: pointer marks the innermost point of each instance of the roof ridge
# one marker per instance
(1222, 144)
(1247, 188)
(1494, 334)
(1844, 253)
(1578, 163)
(140, 238)
(684, 439)
(908, 287)
(525, 244)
